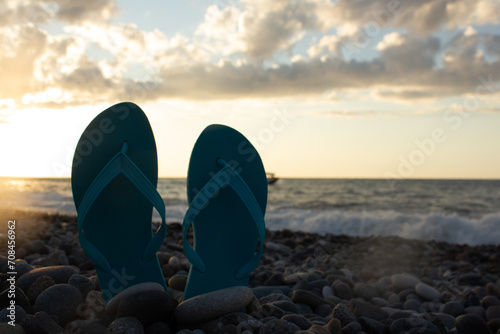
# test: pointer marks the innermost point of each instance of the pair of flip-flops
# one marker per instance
(114, 180)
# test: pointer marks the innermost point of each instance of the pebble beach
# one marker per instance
(305, 283)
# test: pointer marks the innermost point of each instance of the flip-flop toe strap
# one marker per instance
(120, 164)
(227, 176)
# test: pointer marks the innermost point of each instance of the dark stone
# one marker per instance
(364, 309)
(178, 282)
(60, 301)
(453, 308)
(308, 298)
(412, 305)
(365, 291)
(334, 326)
(413, 325)
(275, 279)
(299, 320)
(343, 290)
(371, 326)
(6, 328)
(471, 324)
(43, 323)
(279, 326)
(343, 314)
(158, 328)
(147, 306)
(262, 291)
(87, 327)
(125, 326)
(39, 285)
(352, 328)
(286, 306)
(477, 310)
(82, 283)
(493, 312)
(488, 301)
(60, 274)
(494, 325)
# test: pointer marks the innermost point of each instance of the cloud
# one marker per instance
(226, 58)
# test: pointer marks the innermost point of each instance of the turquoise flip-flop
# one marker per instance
(227, 193)
(114, 177)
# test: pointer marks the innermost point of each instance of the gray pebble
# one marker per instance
(299, 320)
(60, 274)
(404, 281)
(213, 305)
(412, 305)
(308, 298)
(5, 328)
(453, 308)
(365, 291)
(343, 314)
(471, 324)
(178, 282)
(279, 326)
(125, 326)
(82, 283)
(61, 301)
(39, 285)
(427, 292)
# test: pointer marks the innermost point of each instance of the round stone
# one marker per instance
(5, 328)
(39, 285)
(471, 324)
(453, 308)
(147, 306)
(279, 326)
(61, 301)
(427, 292)
(213, 305)
(178, 282)
(299, 320)
(82, 283)
(60, 274)
(404, 281)
(125, 326)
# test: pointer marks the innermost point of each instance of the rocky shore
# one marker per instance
(305, 283)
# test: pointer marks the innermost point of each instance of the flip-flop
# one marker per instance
(227, 193)
(114, 177)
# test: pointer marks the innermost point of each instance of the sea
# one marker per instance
(455, 211)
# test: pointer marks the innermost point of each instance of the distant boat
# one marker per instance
(271, 179)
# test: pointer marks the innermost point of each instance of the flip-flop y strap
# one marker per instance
(120, 164)
(227, 176)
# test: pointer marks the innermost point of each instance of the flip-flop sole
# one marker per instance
(225, 235)
(119, 221)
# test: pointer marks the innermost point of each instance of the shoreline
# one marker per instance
(321, 278)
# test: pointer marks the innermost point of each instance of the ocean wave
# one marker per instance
(449, 228)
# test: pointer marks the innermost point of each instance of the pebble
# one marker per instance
(178, 282)
(60, 301)
(471, 324)
(125, 326)
(413, 325)
(279, 326)
(158, 328)
(60, 274)
(262, 291)
(412, 305)
(453, 308)
(493, 312)
(20, 314)
(20, 298)
(343, 314)
(38, 286)
(488, 301)
(364, 309)
(213, 305)
(82, 283)
(308, 298)
(327, 292)
(43, 323)
(427, 292)
(86, 326)
(147, 306)
(371, 326)
(352, 328)
(343, 291)
(402, 281)
(5, 328)
(299, 320)
(365, 291)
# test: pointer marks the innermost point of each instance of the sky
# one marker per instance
(392, 89)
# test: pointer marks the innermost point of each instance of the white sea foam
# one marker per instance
(449, 228)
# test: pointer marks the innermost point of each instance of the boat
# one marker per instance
(271, 178)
